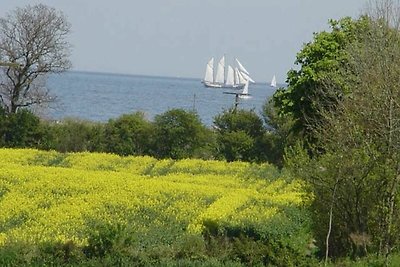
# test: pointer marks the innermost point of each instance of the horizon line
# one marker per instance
(145, 75)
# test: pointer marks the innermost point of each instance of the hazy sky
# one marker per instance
(177, 37)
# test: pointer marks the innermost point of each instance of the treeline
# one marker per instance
(177, 134)
(341, 109)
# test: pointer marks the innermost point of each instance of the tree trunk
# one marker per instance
(330, 222)
(389, 218)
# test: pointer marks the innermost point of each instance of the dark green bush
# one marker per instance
(240, 135)
(21, 129)
(129, 134)
(108, 239)
(73, 135)
(180, 134)
(3, 126)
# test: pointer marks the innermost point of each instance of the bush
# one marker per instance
(179, 134)
(3, 126)
(21, 129)
(239, 135)
(72, 135)
(128, 135)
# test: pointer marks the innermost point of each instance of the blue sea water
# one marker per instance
(101, 96)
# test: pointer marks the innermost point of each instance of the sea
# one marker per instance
(103, 96)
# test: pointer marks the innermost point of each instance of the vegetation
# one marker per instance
(130, 134)
(351, 160)
(239, 134)
(82, 207)
(179, 134)
(320, 63)
(333, 133)
(32, 42)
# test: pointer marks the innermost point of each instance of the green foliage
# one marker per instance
(21, 129)
(235, 145)
(179, 134)
(347, 181)
(319, 61)
(240, 135)
(130, 134)
(72, 135)
(278, 135)
(3, 125)
(108, 239)
(283, 241)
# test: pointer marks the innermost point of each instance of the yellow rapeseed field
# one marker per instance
(46, 196)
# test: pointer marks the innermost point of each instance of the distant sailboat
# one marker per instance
(235, 77)
(245, 93)
(242, 95)
(273, 82)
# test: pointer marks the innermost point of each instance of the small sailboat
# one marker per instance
(245, 93)
(236, 78)
(242, 95)
(273, 81)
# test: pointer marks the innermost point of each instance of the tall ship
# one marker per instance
(226, 76)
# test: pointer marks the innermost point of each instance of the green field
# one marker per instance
(81, 207)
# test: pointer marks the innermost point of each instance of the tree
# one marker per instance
(319, 60)
(129, 134)
(355, 169)
(179, 134)
(239, 135)
(33, 43)
(278, 135)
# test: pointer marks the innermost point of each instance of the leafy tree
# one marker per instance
(23, 129)
(33, 43)
(278, 135)
(235, 145)
(319, 61)
(128, 135)
(179, 134)
(239, 135)
(354, 171)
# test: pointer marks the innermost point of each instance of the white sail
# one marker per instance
(241, 79)
(209, 76)
(230, 79)
(273, 82)
(245, 92)
(237, 81)
(220, 77)
(241, 68)
(246, 88)
(235, 78)
(247, 77)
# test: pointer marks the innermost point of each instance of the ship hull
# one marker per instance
(218, 85)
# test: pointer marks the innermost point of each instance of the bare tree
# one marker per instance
(33, 44)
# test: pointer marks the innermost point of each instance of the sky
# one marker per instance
(176, 38)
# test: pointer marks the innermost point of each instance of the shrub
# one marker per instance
(179, 134)
(239, 135)
(128, 135)
(22, 129)
(72, 135)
